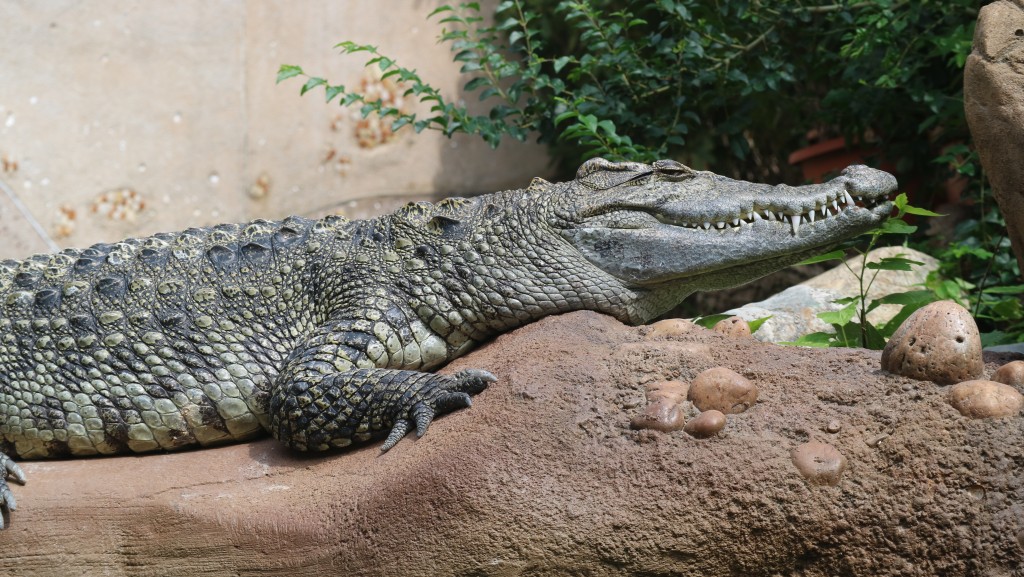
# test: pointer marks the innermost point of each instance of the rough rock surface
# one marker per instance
(938, 342)
(994, 102)
(544, 476)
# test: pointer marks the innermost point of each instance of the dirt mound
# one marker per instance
(544, 476)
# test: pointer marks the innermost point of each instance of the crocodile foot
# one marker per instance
(444, 394)
(8, 469)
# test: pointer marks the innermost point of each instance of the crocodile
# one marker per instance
(324, 332)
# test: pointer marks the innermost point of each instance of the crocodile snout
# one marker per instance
(862, 180)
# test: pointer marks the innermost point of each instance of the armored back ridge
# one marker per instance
(322, 332)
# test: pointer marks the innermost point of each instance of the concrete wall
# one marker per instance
(123, 118)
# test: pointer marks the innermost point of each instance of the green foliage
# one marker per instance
(977, 268)
(736, 82)
(852, 329)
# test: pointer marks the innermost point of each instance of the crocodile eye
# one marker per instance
(673, 170)
(600, 174)
(593, 165)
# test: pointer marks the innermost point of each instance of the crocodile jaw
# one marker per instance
(673, 244)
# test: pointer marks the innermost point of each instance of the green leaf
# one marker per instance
(834, 255)
(918, 297)
(287, 71)
(476, 83)
(896, 226)
(711, 320)
(1004, 290)
(839, 317)
(560, 63)
(893, 263)
(311, 84)
(920, 211)
(756, 323)
(900, 201)
(334, 91)
(818, 340)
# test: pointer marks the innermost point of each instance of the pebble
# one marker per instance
(938, 342)
(670, 328)
(1012, 373)
(661, 415)
(833, 426)
(706, 424)
(734, 327)
(722, 389)
(985, 399)
(819, 463)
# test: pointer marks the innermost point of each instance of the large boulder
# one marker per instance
(837, 469)
(994, 102)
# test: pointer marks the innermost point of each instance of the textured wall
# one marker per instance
(123, 118)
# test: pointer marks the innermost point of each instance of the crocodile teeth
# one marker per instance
(755, 216)
(736, 222)
(835, 205)
(719, 225)
(706, 225)
(810, 217)
(795, 221)
(848, 199)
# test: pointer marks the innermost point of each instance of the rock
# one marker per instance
(722, 389)
(670, 328)
(543, 476)
(734, 327)
(794, 310)
(994, 103)
(707, 424)
(662, 415)
(819, 463)
(1011, 373)
(985, 399)
(939, 342)
(833, 426)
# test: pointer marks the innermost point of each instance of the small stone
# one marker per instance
(939, 342)
(706, 424)
(985, 399)
(833, 426)
(1011, 373)
(722, 389)
(661, 415)
(819, 463)
(669, 328)
(672, 391)
(734, 327)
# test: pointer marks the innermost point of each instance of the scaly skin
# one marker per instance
(322, 332)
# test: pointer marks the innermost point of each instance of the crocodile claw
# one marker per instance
(445, 394)
(9, 469)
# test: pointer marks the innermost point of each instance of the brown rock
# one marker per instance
(939, 342)
(985, 399)
(1012, 373)
(994, 103)
(734, 327)
(723, 390)
(555, 483)
(661, 415)
(669, 328)
(819, 463)
(706, 424)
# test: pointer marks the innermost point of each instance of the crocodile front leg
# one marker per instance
(8, 469)
(334, 411)
(330, 394)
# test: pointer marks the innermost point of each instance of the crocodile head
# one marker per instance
(666, 224)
